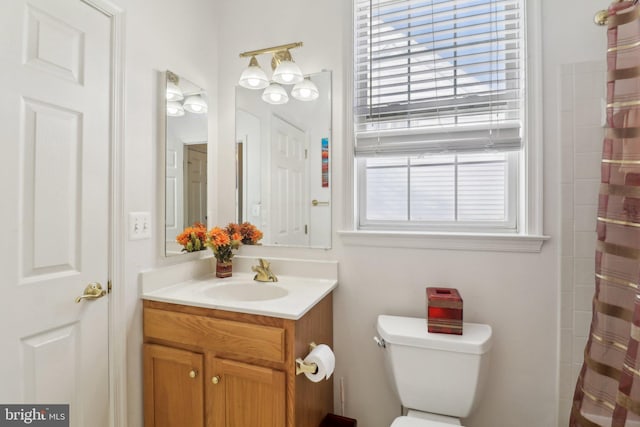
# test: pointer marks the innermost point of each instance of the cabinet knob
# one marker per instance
(215, 379)
(193, 373)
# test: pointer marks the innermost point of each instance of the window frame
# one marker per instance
(529, 236)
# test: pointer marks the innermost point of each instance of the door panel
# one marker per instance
(52, 143)
(51, 385)
(55, 184)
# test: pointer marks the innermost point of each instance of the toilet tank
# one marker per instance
(437, 373)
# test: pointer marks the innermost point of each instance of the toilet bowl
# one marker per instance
(438, 377)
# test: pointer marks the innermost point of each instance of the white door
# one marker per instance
(289, 205)
(197, 184)
(55, 109)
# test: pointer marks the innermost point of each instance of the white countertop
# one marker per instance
(302, 293)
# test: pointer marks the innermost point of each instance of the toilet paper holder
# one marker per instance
(302, 367)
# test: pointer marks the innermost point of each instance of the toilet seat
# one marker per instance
(417, 422)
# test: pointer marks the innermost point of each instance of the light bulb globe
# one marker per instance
(275, 94)
(306, 90)
(174, 109)
(195, 104)
(287, 73)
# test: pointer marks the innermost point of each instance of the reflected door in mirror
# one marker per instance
(289, 205)
(284, 164)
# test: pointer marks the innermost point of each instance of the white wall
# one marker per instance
(160, 35)
(518, 294)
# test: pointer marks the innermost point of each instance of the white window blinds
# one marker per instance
(436, 76)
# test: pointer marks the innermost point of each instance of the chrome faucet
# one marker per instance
(263, 272)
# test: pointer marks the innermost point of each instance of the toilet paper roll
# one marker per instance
(324, 359)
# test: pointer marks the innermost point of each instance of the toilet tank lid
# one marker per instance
(412, 331)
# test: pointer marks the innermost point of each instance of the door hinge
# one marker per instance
(108, 286)
(306, 153)
(306, 229)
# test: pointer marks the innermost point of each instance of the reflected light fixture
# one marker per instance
(195, 104)
(306, 90)
(174, 93)
(174, 109)
(275, 94)
(253, 77)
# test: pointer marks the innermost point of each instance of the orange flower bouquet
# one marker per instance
(248, 232)
(223, 241)
(193, 238)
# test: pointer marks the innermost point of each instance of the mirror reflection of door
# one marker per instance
(174, 178)
(196, 184)
(273, 192)
(289, 187)
(249, 167)
(240, 168)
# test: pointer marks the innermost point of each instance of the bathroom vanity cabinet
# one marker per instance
(217, 368)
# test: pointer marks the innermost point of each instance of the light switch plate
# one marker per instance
(139, 225)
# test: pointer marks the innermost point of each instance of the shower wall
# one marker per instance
(582, 105)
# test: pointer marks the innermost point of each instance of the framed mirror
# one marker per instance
(185, 109)
(283, 164)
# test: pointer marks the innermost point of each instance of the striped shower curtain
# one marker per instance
(608, 389)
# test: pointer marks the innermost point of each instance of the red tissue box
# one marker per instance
(444, 311)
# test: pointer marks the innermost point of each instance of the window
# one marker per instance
(438, 108)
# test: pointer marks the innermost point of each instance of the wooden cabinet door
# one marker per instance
(243, 395)
(173, 387)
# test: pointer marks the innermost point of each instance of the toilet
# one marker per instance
(438, 377)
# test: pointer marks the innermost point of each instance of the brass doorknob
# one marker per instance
(193, 373)
(92, 291)
(215, 379)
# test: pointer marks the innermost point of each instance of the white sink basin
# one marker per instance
(246, 291)
(289, 298)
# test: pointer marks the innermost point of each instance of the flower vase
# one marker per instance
(224, 269)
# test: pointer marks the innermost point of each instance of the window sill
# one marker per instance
(449, 241)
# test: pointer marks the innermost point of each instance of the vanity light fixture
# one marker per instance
(174, 93)
(195, 104)
(306, 90)
(285, 72)
(275, 94)
(174, 109)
